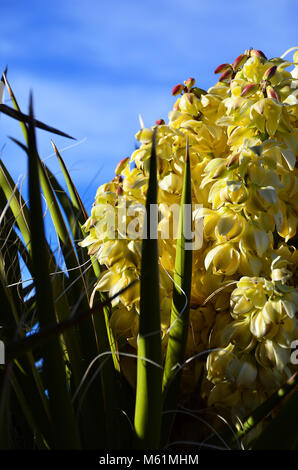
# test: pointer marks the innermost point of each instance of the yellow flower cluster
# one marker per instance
(243, 141)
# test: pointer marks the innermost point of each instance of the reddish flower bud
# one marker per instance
(269, 72)
(119, 191)
(121, 165)
(159, 122)
(257, 53)
(241, 59)
(189, 83)
(272, 93)
(249, 89)
(226, 74)
(177, 89)
(222, 68)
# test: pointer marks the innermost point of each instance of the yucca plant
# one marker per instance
(118, 348)
(69, 336)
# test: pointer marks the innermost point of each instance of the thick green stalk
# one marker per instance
(148, 405)
(180, 304)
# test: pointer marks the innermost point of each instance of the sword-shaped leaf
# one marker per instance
(25, 119)
(148, 405)
(65, 433)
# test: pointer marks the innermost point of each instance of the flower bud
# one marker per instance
(269, 72)
(221, 68)
(198, 91)
(159, 122)
(189, 83)
(119, 191)
(272, 93)
(249, 89)
(257, 53)
(177, 89)
(241, 59)
(226, 74)
(121, 165)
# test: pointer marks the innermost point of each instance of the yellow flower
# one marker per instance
(189, 103)
(124, 321)
(238, 333)
(114, 281)
(253, 69)
(270, 355)
(223, 259)
(256, 240)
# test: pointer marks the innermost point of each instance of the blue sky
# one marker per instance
(94, 65)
